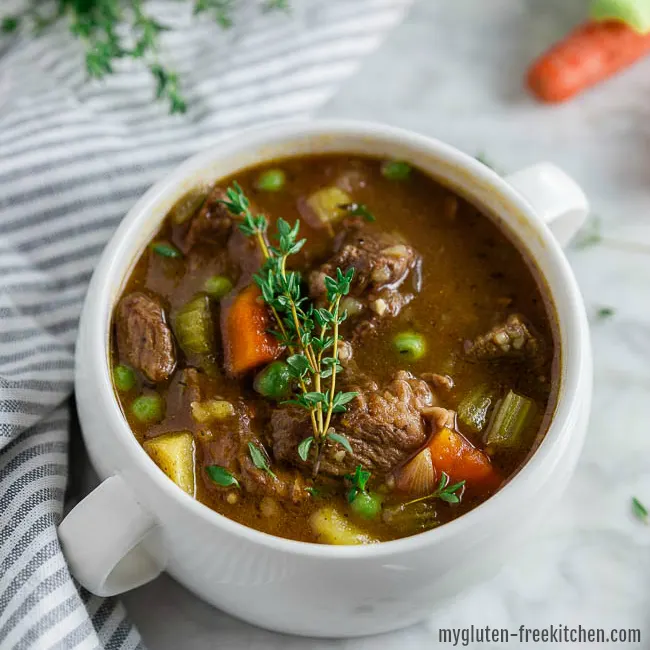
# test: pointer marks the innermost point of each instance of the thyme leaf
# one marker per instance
(359, 210)
(340, 439)
(304, 447)
(640, 511)
(357, 481)
(221, 476)
(260, 459)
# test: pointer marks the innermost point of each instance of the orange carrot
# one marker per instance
(591, 53)
(244, 326)
(453, 454)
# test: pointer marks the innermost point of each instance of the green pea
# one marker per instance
(148, 408)
(123, 378)
(274, 381)
(218, 286)
(396, 170)
(367, 505)
(410, 345)
(271, 180)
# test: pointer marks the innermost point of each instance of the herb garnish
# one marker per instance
(640, 511)
(221, 476)
(9, 24)
(444, 492)
(448, 493)
(358, 482)
(164, 249)
(120, 29)
(605, 312)
(307, 331)
(167, 88)
(359, 210)
(260, 459)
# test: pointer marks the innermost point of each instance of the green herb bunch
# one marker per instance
(120, 29)
(310, 333)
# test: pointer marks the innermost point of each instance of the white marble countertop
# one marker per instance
(454, 70)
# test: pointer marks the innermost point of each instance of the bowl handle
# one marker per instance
(111, 543)
(555, 196)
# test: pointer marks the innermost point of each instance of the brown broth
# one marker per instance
(472, 278)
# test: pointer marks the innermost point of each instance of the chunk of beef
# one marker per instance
(144, 339)
(381, 261)
(212, 224)
(245, 255)
(444, 382)
(228, 446)
(510, 339)
(385, 426)
(440, 417)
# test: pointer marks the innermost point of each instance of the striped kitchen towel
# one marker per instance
(74, 156)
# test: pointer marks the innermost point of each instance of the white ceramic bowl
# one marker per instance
(137, 523)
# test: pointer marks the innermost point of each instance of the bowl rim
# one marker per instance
(536, 468)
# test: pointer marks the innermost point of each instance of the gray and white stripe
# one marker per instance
(74, 156)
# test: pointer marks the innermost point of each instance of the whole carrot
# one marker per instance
(588, 55)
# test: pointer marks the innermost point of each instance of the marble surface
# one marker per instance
(453, 70)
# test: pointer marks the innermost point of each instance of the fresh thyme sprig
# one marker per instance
(118, 29)
(444, 492)
(310, 333)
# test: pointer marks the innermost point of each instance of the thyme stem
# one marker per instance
(281, 290)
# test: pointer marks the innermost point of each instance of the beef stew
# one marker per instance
(376, 380)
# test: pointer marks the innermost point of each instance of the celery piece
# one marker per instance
(511, 417)
(217, 286)
(194, 328)
(188, 205)
(474, 408)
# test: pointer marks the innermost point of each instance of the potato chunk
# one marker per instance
(328, 204)
(174, 454)
(333, 528)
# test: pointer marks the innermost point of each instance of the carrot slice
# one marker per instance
(590, 54)
(246, 340)
(453, 454)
